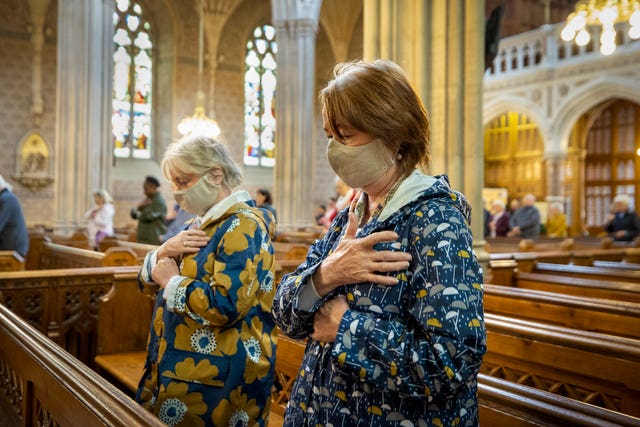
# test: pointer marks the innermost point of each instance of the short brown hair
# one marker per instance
(377, 98)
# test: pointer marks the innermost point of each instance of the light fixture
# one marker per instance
(605, 13)
(199, 123)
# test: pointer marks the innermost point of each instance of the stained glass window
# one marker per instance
(131, 117)
(259, 98)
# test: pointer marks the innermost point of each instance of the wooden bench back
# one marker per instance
(11, 261)
(596, 368)
(124, 315)
(45, 385)
(612, 317)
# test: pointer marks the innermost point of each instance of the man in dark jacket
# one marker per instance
(525, 222)
(622, 223)
(150, 213)
(13, 230)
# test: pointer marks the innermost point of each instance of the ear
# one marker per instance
(217, 174)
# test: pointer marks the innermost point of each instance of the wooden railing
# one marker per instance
(44, 385)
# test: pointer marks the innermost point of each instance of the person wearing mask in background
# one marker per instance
(264, 201)
(499, 223)
(13, 229)
(100, 218)
(176, 221)
(212, 344)
(371, 298)
(556, 221)
(150, 213)
(525, 222)
(622, 223)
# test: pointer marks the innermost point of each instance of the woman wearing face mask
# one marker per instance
(390, 300)
(211, 347)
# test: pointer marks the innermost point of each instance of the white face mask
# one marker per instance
(198, 198)
(359, 166)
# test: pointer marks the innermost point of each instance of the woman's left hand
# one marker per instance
(326, 320)
(164, 270)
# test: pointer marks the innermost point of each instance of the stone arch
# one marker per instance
(588, 97)
(504, 104)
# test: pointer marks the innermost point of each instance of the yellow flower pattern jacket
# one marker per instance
(211, 349)
(407, 354)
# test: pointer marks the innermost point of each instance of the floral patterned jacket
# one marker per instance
(211, 350)
(407, 354)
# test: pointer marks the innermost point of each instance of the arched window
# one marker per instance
(131, 118)
(514, 155)
(259, 98)
(612, 164)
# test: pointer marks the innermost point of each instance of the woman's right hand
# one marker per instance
(355, 260)
(185, 242)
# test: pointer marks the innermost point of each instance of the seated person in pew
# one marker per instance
(556, 221)
(525, 222)
(623, 223)
(390, 299)
(212, 343)
(499, 220)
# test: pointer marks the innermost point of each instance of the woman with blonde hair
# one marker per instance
(211, 349)
(100, 218)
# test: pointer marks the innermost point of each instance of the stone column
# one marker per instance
(440, 44)
(38, 10)
(555, 175)
(296, 24)
(83, 149)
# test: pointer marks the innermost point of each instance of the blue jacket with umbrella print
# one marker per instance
(407, 354)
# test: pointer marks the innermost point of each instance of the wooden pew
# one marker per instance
(124, 319)
(505, 273)
(11, 261)
(598, 369)
(507, 403)
(60, 303)
(619, 318)
(44, 385)
(617, 265)
(588, 272)
(53, 256)
(502, 402)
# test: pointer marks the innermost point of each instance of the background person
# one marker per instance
(525, 221)
(211, 350)
(345, 193)
(150, 213)
(100, 218)
(13, 229)
(371, 297)
(623, 223)
(176, 221)
(499, 222)
(556, 221)
(265, 201)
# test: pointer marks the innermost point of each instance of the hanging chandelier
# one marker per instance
(199, 123)
(605, 13)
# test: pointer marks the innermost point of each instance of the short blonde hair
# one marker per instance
(104, 194)
(377, 98)
(195, 154)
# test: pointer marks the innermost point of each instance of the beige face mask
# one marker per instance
(198, 198)
(359, 166)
